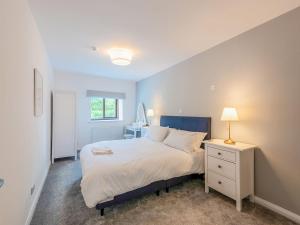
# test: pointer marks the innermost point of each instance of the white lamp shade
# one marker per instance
(150, 113)
(229, 114)
(120, 56)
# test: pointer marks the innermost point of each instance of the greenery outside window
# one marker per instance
(104, 108)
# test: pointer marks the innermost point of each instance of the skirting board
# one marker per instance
(36, 198)
(284, 212)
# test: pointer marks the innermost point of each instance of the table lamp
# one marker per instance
(228, 115)
(150, 114)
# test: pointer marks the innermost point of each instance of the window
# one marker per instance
(104, 108)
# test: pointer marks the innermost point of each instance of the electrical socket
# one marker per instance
(32, 189)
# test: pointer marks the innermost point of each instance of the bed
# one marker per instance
(139, 166)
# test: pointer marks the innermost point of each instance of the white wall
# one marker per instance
(25, 139)
(95, 131)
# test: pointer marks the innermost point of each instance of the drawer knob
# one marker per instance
(219, 153)
(219, 166)
(219, 182)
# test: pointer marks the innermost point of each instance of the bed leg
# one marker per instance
(157, 193)
(167, 189)
(102, 212)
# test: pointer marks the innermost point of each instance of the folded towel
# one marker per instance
(102, 151)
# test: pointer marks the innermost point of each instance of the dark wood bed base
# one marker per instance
(199, 124)
(154, 187)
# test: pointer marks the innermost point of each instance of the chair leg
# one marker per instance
(102, 212)
(157, 193)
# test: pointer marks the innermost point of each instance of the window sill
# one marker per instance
(108, 120)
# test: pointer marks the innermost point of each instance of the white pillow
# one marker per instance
(180, 140)
(170, 129)
(184, 140)
(198, 139)
(157, 133)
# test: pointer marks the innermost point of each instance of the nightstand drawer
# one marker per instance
(221, 167)
(221, 154)
(221, 184)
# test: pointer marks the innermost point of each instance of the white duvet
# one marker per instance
(134, 163)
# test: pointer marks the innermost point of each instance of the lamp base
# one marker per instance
(229, 142)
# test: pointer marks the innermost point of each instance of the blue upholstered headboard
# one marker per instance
(200, 124)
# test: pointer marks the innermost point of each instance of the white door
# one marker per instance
(64, 124)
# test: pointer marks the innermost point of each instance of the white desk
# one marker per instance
(135, 130)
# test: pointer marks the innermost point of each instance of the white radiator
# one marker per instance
(103, 133)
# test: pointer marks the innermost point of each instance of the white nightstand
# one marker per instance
(229, 169)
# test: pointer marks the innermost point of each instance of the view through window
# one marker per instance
(103, 108)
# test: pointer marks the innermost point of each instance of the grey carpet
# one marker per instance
(61, 203)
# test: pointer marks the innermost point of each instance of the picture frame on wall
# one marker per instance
(38, 93)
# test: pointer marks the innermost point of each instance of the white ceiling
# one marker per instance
(160, 32)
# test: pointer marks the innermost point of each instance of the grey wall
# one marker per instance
(258, 72)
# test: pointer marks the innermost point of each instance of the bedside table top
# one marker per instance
(237, 146)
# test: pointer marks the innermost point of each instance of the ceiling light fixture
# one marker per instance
(120, 56)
